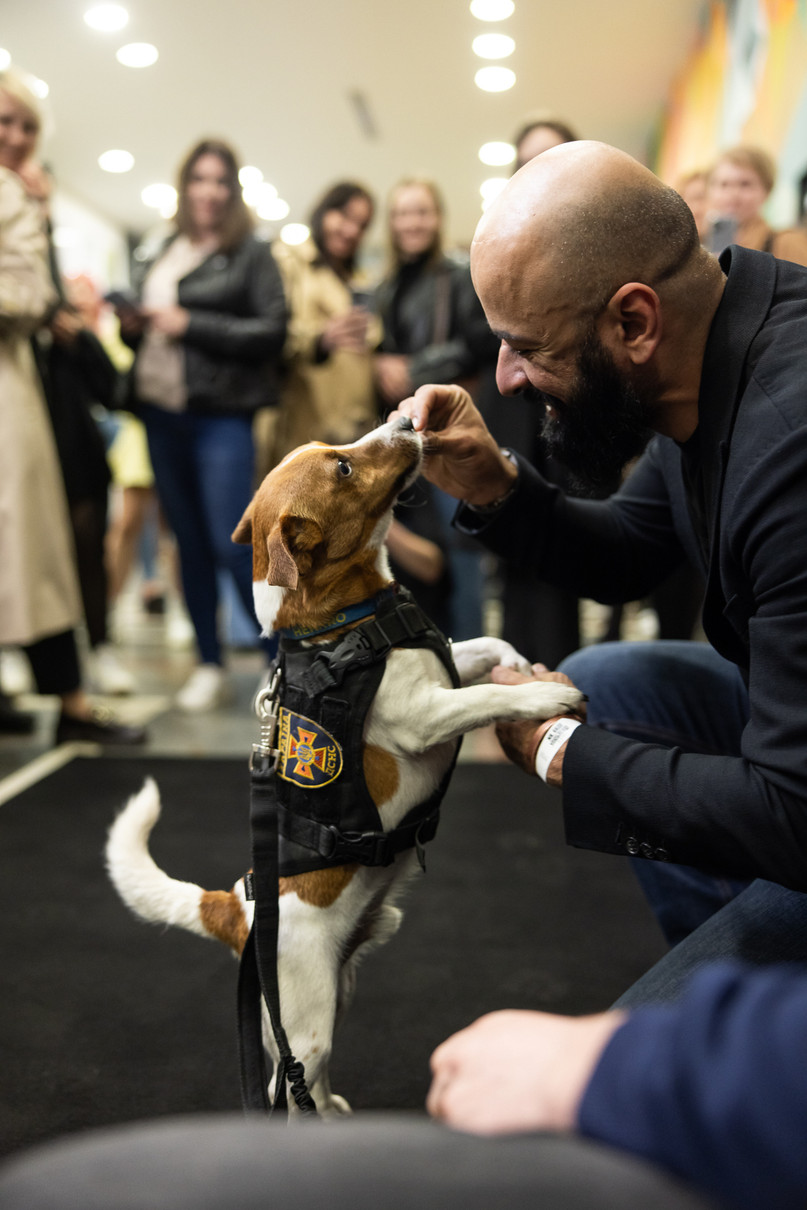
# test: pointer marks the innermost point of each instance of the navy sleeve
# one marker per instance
(714, 1088)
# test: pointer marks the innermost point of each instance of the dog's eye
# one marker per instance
(344, 468)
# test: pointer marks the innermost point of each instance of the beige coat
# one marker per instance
(332, 400)
(38, 586)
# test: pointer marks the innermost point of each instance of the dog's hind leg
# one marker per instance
(308, 970)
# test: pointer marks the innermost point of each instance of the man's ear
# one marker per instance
(290, 545)
(631, 325)
(242, 534)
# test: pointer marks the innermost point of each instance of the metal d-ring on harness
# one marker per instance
(310, 806)
(257, 978)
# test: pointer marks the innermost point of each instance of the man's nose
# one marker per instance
(510, 378)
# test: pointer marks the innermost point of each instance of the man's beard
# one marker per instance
(602, 424)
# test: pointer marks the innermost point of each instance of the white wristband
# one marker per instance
(557, 735)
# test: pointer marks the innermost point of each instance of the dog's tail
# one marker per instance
(146, 889)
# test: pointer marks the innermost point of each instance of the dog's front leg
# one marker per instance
(474, 658)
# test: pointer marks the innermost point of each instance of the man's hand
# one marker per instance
(512, 1072)
(65, 327)
(520, 740)
(461, 456)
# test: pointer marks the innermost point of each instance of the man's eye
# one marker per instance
(344, 468)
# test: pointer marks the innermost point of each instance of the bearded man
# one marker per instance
(621, 330)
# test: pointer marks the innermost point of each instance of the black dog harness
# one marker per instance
(310, 805)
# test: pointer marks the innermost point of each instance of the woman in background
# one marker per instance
(740, 184)
(328, 390)
(434, 331)
(39, 596)
(207, 333)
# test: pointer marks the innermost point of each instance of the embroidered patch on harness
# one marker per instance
(309, 756)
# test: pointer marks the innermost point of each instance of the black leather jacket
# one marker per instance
(432, 314)
(236, 332)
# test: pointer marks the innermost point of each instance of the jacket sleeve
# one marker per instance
(258, 333)
(713, 1087)
(745, 815)
(472, 344)
(611, 550)
(26, 288)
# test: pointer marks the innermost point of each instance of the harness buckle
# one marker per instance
(366, 848)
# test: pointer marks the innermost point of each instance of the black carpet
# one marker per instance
(105, 1019)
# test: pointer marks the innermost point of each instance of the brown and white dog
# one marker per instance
(317, 526)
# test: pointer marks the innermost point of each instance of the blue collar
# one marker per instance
(353, 613)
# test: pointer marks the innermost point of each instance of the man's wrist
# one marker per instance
(552, 742)
(486, 507)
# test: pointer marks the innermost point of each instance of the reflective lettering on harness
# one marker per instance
(309, 755)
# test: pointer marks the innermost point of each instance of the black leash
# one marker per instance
(257, 978)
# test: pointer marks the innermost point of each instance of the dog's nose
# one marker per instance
(405, 422)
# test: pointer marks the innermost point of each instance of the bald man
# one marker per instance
(622, 330)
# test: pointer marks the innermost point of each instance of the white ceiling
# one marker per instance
(275, 78)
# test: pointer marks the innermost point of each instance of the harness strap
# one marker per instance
(367, 644)
(366, 848)
(258, 970)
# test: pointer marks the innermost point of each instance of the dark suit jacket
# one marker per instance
(747, 482)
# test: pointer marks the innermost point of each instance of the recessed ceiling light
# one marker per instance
(493, 46)
(294, 233)
(492, 10)
(495, 79)
(160, 197)
(137, 54)
(249, 175)
(492, 187)
(258, 193)
(116, 161)
(497, 154)
(106, 17)
(5, 59)
(273, 210)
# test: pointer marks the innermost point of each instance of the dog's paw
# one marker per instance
(545, 699)
(335, 1107)
(474, 659)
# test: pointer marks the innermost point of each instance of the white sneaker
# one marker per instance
(179, 632)
(205, 689)
(107, 674)
(15, 673)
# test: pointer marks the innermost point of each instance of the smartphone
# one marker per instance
(123, 300)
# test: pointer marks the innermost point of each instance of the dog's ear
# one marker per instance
(289, 545)
(242, 534)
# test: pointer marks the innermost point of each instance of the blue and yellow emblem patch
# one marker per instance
(309, 756)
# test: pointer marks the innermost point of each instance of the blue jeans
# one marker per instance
(679, 694)
(203, 471)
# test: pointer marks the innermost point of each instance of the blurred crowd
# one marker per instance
(137, 425)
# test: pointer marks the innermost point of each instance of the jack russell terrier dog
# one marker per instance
(317, 525)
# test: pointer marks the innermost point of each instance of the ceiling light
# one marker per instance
(137, 54)
(258, 193)
(493, 46)
(492, 187)
(497, 154)
(5, 59)
(249, 175)
(106, 17)
(495, 79)
(160, 197)
(38, 86)
(492, 10)
(273, 210)
(116, 161)
(294, 233)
